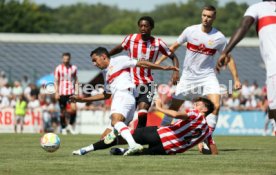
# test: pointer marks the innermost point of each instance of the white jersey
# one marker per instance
(265, 18)
(201, 47)
(117, 74)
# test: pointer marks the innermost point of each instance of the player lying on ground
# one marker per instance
(188, 131)
(119, 84)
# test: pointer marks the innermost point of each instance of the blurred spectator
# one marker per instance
(3, 79)
(20, 112)
(17, 89)
(25, 81)
(245, 91)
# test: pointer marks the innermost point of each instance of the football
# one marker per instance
(50, 142)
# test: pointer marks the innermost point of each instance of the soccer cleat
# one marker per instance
(109, 138)
(80, 152)
(137, 148)
(63, 132)
(117, 151)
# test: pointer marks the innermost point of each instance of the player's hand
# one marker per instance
(171, 68)
(237, 85)
(222, 62)
(175, 77)
(74, 98)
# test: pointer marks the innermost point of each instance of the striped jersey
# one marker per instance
(66, 77)
(264, 14)
(146, 51)
(201, 47)
(184, 134)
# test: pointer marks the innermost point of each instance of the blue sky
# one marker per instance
(129, 4)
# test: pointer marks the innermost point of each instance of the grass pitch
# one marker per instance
(21, 154)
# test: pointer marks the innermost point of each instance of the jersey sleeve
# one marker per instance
(183, 37)
(164, 49)
(57, 73)
(252, 11)
(127, 62)
(126, 43)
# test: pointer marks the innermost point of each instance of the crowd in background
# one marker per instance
(250, 97)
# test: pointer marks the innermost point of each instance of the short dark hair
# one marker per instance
(147, 18)
(66, 54)
(100, 51)
(208, 103)
(210, 8)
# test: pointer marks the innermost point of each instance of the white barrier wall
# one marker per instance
(33, 121)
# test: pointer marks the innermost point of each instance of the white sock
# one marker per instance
(125, 133)
(89, 148)
(212, 120)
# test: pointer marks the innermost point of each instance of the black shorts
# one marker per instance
(145, 93)
(149, 136)
(63, 101)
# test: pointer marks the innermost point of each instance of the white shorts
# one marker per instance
(123, 102)
(188, 89)
(271, 91)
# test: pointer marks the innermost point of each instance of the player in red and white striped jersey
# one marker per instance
(191, 129)
(263, 14)
(143, 46)
(66, 84)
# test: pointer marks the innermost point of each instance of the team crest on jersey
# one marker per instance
(152, 48)
(210, 42)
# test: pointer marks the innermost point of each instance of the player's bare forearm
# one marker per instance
(171, 113)
(147, 64)
(116, 50)
(233, 69)
(98, 97)
(239, 34)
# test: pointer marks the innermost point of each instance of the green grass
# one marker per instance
(21, 154)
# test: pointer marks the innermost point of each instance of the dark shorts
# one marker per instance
(149, 136)
(145, 93)
(63, 101)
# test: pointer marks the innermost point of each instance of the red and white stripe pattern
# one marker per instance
(183, 135)
(144, 50)
(66, 77)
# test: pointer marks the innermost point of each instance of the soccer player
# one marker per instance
(118, 78)
(143, 46)
(191, 129)
(264, 15)
(198, 76)
(66, 85)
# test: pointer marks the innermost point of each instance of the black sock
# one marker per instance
(101, 145)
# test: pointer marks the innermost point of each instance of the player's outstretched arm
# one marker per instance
(116, 50)
(150, 65)
(164, 57)
(171, 113)
(233, 69)
(97, 97)
(239, 34)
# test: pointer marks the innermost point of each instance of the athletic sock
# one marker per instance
(142, 118)
(212, 120)
(125, 133)
(166, 121)
(101, 145)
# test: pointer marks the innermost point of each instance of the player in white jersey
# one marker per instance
(66, 84)
(264, 15)
(143, 46)
(198, 77)
(118, 81)
(191, 129)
